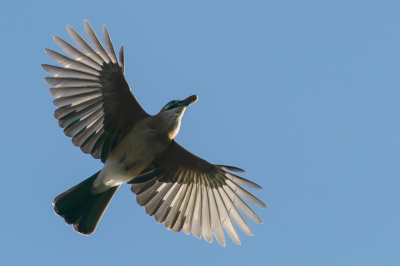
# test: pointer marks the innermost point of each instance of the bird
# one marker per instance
(96, 108)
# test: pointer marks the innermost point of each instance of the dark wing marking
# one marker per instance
(95, 105)
(187, 193)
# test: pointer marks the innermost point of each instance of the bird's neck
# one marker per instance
(168, 124)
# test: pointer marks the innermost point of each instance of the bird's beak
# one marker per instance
(189, 100)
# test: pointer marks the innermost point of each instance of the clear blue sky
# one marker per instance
(304, 95)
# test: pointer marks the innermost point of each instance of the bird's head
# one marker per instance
(179, 106)
(172, 114)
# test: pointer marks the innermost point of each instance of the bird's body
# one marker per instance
(135, 152)
(98, 111)
(143, 143)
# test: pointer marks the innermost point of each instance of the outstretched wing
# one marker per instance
(95, 105)
(187, 193)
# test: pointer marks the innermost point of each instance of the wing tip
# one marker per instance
(258, 187)
(255, 186)
(232, 168)
(222, 245)
(71, 30)
(86, 25)
(208, 240)
(49, 80)
(198, 237)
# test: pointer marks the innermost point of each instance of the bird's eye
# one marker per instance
(170, 103)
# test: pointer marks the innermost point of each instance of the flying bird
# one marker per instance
(98, 111)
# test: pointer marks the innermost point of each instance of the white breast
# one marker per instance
(135, 152)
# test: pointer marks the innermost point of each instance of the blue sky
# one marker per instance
(304, 95)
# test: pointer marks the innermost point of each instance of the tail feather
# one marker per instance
(78, 206)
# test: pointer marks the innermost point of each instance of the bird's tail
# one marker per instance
(78, 206)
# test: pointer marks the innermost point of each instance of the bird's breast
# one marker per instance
(132, 155)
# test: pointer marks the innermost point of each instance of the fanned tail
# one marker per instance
(78, 206)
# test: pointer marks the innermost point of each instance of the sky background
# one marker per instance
(303, 95)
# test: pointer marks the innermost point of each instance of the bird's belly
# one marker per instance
(135, 152)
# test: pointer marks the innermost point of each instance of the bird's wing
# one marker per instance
(187, 193)
(95, 105)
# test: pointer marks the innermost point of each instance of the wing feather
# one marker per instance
(97, 147)
(172, 215)
(76, 54)
(242, 205)
(71, 82)
(188, 213)
(205, 222)
(84, 46)
(109, 45)
(60, 72)
(68, 91)
(165, 204)
(122, 59)
(88, 144)
(174, 219)
(65, 110)
(69, 63)
(147, 195)
(245, 194)
(73, 128)
(216, 223)
(137, 187)
(83, 135)
(202, 199)
(77, 99)
(196, 220)
(91, 79)
(76, 115)
(226, 221)
(153, 205)
(234, 213)
(243, 181)
(95, 42)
